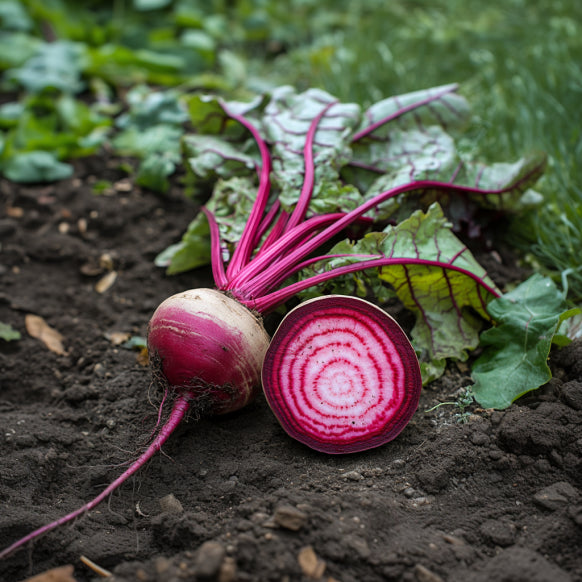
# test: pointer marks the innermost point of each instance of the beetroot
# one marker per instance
(341, 375)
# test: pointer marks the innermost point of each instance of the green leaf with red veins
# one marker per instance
(208, 115)
(430, 154)
(444, 300)
(209, 157)
(285, 125)
(436, 106)
(221, 146)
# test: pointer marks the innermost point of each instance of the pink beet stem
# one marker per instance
(268, 221)
(181, 406)
(262, 284)
(266, 303)
(297, 252)
(218, 271)
(291, 240)
(300, 209)
(243, 250)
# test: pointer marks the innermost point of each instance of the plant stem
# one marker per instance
(270, 301)
(242, 253)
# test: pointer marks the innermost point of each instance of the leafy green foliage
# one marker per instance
(214, 150)
(516, 350)
(422, 261)
(151, 131)
(54, 66)
(231, 204)
(446, 302)
(36, 166)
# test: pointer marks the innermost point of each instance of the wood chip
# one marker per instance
(311, 566)
(38, 328)
(423, 574)
(106, 282)
(106, 262)
(62, 574)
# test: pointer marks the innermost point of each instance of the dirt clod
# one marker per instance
(557, 496)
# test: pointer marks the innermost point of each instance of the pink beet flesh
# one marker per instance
(341, 375)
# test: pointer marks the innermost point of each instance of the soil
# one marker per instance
(462, 494)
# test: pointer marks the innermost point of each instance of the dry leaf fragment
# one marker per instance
(106, 282)
(312, 566)
(38, 328)
(62, 574)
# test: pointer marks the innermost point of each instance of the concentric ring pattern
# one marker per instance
(341, 375)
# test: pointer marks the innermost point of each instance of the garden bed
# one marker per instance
(462, 494)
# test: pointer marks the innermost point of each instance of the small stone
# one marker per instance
(289, 517)
(311, 565)
(170, 504)
(358, 545)
(423, 574)
(556, 496)
(500, 533)
(353, 476)
(99, 370)
(209, 559)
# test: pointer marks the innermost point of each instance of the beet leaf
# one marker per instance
(516, 350)
(307, 170)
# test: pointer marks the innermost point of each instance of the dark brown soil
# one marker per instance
(461, 495)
